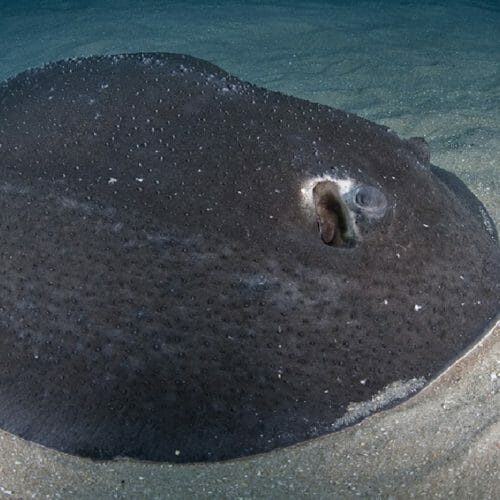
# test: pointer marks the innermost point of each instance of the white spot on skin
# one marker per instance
(112, 180)
(139, 179)
(344, 185)
(417, 307)
(393, 392)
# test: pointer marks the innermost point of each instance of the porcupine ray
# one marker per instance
(194, 268)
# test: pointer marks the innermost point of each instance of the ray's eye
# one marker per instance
(368, 196)
(370, 200)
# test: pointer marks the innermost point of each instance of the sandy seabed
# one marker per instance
(422, 68)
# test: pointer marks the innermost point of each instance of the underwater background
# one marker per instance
(424, 68)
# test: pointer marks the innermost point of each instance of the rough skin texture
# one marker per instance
(164, 291)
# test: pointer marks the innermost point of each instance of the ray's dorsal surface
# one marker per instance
(194, 268)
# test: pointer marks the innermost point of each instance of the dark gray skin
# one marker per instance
(165, 293)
